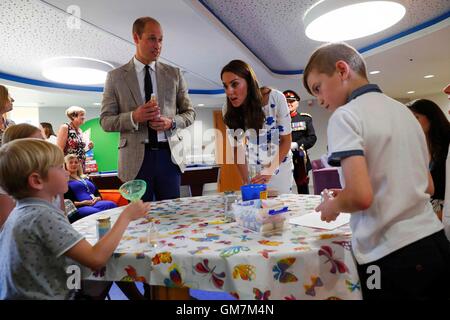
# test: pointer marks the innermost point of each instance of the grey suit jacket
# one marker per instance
(121, 96)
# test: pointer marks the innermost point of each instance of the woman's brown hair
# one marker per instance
(48, 129)
(4, 98)
(250, 114)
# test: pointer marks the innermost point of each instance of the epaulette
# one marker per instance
(305, 114)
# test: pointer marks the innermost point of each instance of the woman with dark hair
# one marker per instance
(437, 132)
(47, 132)
(446, 210)
(259, 121)
(6, 105)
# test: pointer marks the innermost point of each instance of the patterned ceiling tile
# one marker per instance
(33, 31)
(274, 30)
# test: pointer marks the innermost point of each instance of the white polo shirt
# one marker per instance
(386, 133)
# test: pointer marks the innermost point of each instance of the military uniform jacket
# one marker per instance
(303, 133)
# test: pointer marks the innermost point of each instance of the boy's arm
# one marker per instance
(357, 194)
(95, 257)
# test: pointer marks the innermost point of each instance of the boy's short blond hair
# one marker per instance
(19, 131)
(20, 158)
(73, 112)
(324, 59)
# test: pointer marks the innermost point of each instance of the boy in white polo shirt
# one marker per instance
(384, 158)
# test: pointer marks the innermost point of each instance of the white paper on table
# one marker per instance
(87, 136)
(312, 220)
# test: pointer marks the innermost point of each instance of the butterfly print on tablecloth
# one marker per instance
(336, 264)
(216, 278)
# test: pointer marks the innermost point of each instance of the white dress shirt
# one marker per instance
(140, 73)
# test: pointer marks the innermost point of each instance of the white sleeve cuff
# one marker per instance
(135, 126)
(294, 145)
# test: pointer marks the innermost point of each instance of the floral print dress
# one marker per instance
(262, 150)
(75, 144)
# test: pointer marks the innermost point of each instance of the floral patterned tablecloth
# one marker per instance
(197, 249)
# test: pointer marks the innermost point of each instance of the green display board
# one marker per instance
(105, 145)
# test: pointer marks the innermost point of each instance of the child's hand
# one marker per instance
(327, 206)
(335, 192)
(136, 210)
(328, 217)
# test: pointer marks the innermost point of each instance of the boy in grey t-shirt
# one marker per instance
(36, 238)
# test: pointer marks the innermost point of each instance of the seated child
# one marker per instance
(37, 238)
(19, 131)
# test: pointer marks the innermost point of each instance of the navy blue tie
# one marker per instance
(152, 134)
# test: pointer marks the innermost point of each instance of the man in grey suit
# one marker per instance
(150, 146)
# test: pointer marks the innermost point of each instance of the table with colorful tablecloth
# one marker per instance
(197, 249)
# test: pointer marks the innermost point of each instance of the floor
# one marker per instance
(116, 294)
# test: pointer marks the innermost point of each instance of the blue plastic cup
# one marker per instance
(252, 191)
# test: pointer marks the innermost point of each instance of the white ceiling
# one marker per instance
(32, 96)
(199, 43)
(275, 32)
(404, 66)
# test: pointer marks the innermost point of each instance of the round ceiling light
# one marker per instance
(76, 70)
(333, 21)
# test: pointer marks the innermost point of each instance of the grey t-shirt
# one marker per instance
(32, 246)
